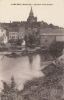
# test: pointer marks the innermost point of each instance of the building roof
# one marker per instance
(2, 28)
(4, 24)
(49, 69)
(35, 24)
(31, 12)
(17, 22)
(15, 29)
(50, 31)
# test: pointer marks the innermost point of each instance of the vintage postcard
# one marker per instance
(31, 49)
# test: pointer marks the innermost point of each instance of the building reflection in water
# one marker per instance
(45, 57)
(30, 57)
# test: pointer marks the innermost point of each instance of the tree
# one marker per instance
(6, 87)
(13, 84)
(9, 91)
(31, 39)
(19, 42)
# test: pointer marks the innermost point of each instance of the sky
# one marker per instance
(50, 11)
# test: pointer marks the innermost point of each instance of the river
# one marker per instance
(23, 68)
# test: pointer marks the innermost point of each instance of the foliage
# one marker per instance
(17, 42)
(9, 91)
(48, 87)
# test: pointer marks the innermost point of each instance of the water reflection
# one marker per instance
(30, 58)
(23, 68)
(45, 57)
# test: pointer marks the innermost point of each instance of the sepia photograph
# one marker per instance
(31, 49)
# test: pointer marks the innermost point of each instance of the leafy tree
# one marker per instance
(19, 42)
(9, 91)
(13, 84)
(6, 87)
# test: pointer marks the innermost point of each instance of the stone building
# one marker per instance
(31, 17)
(49, 35)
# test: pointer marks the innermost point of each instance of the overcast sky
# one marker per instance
(51, 13)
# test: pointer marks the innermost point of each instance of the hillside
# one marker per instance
(49, 87)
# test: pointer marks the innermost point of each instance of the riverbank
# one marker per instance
(28, 51)
(22, 52)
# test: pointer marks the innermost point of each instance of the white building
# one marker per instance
(13, 34)
(3, 37)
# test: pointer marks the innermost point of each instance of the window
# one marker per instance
(10, 37)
